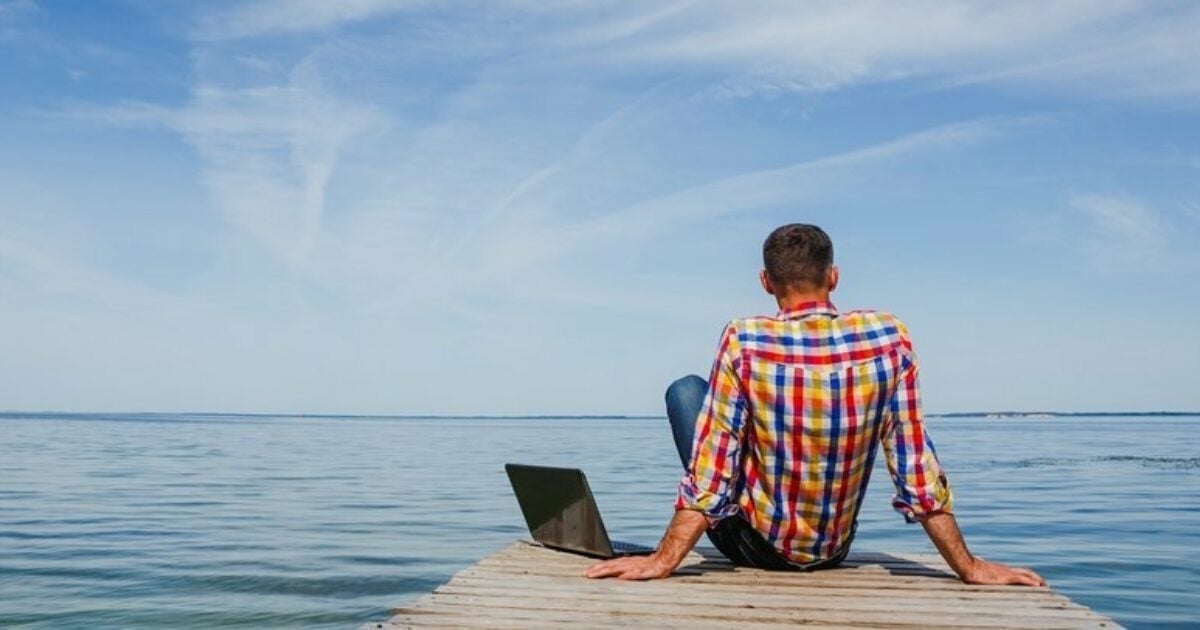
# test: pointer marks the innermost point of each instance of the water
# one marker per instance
(183, 521)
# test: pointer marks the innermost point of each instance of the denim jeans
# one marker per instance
(734, 537)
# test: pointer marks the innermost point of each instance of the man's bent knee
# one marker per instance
(687, 389)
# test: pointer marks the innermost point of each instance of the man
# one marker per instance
(779, 443)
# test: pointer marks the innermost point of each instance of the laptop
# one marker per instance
(562, 514)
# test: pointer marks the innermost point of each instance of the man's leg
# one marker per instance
(685, 397)
(733, 537)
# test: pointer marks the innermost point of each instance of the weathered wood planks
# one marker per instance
(527, 586)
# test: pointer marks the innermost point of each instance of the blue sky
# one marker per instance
(380, 206)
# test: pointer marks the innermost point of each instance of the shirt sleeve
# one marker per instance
(708, 484)
(921, 486)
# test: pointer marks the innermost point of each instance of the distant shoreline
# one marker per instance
(990, 415)
(1064, 414)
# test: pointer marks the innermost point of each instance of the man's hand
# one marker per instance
(685, 528)
(983, 572)
(631, 568)
(944, 532)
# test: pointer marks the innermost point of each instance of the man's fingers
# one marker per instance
(636, 573)
(602, 572)
(1028, 580)
(608, 568)
(611, 568)
(1037, 579)
(625, 569)
(1024, 576)
(996, 573)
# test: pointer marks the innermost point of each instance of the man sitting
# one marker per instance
(778, 444)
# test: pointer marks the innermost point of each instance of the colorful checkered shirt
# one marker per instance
(796, 406)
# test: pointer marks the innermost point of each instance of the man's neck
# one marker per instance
(792, 300)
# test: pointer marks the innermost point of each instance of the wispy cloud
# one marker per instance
(271, 149)
(1116, 48)
(1121, 233)
(424, 230)
(122, 113)
(270, 152)
(30, 260)
(510, 178)
(266, 17)
(1148, 58)
(788, 183)
(1122, 219)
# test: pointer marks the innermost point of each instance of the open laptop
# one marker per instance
(561, 512)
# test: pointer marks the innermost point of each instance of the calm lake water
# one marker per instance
(127, 521)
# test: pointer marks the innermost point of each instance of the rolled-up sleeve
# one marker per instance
(921, 485)
(708, 484)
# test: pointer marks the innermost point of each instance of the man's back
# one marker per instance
(797, 404)
(783, 434)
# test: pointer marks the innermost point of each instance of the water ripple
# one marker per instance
(208, 520)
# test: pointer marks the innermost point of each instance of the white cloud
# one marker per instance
(269, 153)
(1110, 48)
(122, 113)
(749, 191)
(1119, 233)
(1121, 218)
(1118, 49)
(266, 17)
(436, 225)
(484, 180)
(33, 263)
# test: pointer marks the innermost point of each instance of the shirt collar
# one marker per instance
(805, 309)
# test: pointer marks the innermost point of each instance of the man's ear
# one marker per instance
(833, 278)
(766, 282)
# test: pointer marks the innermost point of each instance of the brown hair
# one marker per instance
(797, 255)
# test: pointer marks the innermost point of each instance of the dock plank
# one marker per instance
(528, 586)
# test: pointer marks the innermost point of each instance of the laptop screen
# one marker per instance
(559, 508)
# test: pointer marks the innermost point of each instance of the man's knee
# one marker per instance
(689, 389)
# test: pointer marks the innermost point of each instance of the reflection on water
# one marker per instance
(259, 521)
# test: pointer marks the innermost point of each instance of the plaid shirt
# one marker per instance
(795, 408)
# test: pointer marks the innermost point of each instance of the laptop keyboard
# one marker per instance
(624, 547)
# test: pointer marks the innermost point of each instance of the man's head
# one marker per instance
(798, 264)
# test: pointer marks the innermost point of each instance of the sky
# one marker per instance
(407, 207)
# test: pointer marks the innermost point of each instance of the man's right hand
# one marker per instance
(983, 572)
(944, 532)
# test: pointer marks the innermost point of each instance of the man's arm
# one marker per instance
(922, 491)
(943, 531)
(705, 494)
(681, 536)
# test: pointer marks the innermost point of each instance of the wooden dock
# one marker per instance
(527, 586)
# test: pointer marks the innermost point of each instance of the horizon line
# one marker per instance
(568, 416)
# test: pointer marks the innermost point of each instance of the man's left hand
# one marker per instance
(630, 568)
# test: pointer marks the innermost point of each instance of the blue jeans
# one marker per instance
(685, 398)
(734, 537)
